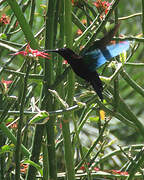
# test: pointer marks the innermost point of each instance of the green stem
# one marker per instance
(77, 140)
(51, 113)
(45, 161)
(132, 83)
(36, 147)
(71, 80)
(84, 119)
(92, 147)
(7, 103)
(118, 151)
(23, 23)
(116, 80)
(9, 134)
(128, 115)
(115, 114)
(77, 22)
(102, 24)
(48, 100)
(134, 64)
(87, 30)
(60, 78)
(129, 38)
(47, 104)
(143, 17)
(130, 16)
(21, 74)
(32, 13)
(20, 123)
(11, 59)
(90, 7)
(136, 164)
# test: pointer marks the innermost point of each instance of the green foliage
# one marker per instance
(50, 119)
(40, 118)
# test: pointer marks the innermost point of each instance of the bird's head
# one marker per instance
(66, 53)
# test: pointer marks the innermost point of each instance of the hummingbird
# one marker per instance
(90, 59)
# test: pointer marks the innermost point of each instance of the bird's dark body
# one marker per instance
(85, 64)
(82, 70)
(92, 77)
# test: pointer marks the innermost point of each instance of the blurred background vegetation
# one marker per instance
(123, 115)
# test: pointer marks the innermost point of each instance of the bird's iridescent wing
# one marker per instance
(96, 58)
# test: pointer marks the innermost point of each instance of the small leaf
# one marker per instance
(6, 148)
(43, 6)
(123, 57)
(37, 166)
(3, 36)
(41, 118)
(105, 79)
(94, 119)
(111, 143)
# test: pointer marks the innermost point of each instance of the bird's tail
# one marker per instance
(97, 85)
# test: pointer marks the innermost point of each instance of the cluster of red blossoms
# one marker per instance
(4, 86)
(6, 82)
(4, 19)
(102, 6)
(32, 53)
(23, 168)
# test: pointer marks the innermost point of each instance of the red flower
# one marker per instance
(119, 172)
(74, 2)
(4, 19)
(60, 125)
(6, 82)
(83, 167)
(12, 125)
(96, 169)
(24, 168)
(4, 86)
(16, 23)
(65, 62)
(103, 6)
(79, 32)
(84, 21)
(32, 53)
